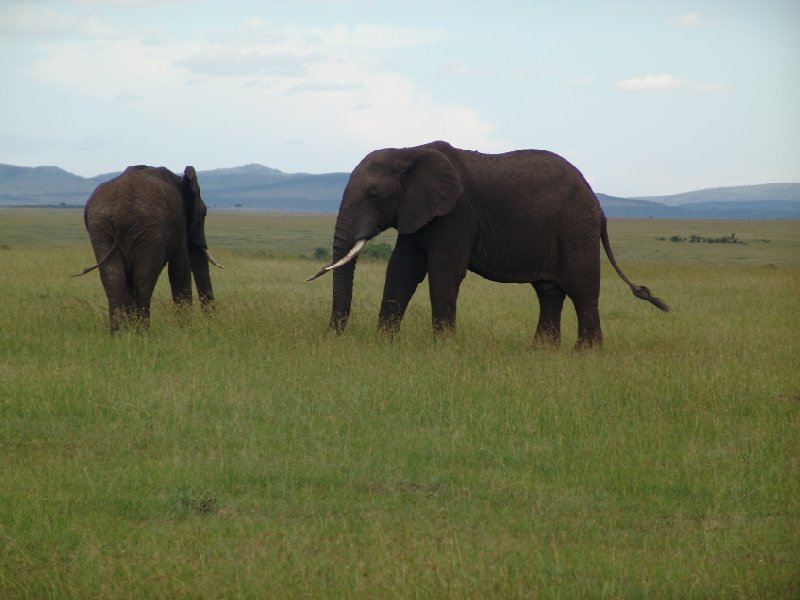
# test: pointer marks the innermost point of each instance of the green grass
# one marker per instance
(250, 454)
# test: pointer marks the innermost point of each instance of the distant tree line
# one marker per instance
(698, 239)
(379, 250)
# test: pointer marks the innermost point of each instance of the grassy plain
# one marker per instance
(252, 455)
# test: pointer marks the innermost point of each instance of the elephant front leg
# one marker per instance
(180, 284)
(180, 279)
(444, 285)
(407, 268)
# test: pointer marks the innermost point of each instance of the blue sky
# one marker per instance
(645, 97)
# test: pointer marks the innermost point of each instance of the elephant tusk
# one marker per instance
(211, 259)
(349, 256)
(354, 251)
(322, 271)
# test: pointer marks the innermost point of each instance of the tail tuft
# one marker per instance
(639, 291)
(643, 292)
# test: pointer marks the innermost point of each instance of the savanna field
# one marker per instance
(250, 454)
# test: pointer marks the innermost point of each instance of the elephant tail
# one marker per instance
(639, 291)
(111, 250)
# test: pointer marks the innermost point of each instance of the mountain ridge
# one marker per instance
(257, 187)
(739, 193)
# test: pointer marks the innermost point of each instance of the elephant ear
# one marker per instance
(191, 199)
(190, 186)
(432, 187)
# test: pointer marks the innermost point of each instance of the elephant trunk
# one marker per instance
(202, 279)
(342, 296)
(343, 246)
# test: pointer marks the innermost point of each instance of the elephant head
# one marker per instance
(403, 188)
(196, 237)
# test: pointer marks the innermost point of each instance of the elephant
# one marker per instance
(526, 216)
(138, 222)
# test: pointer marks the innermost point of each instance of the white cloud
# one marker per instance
(227, 60)
(395, 112)
(31, 20)
(649, 83)
(248, 92)
(314, 87)
(375, 37)
(655, 83)
(710, 87)
(334, 40)
(127, 95)
(691, 19)
(463, 69)
(578, 81)
(92, 69)
(139, 3)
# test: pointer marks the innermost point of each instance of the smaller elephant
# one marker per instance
(138, 222)
(526, 216)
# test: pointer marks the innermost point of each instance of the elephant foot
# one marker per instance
(338, 322)
(208, 307)
(589, 343)
(444, 332)
(547, 338)
(141, 326)
(388, 327)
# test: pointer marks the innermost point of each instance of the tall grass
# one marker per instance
(250, 454)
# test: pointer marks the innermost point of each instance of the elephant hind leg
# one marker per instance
(140, 312)
(589, 332)
(115, 282)
(551, 302)
(144, 277)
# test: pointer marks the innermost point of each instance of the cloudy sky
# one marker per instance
(646, 97)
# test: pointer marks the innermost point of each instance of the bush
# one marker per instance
(321, 253)
(697, 239)
(381, 251)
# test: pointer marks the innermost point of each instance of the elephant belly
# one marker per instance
(520, 259)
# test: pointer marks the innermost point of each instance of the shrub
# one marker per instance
(321, 253)
(380, 250)
(697, 239)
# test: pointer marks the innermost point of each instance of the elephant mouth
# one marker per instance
(354, 251)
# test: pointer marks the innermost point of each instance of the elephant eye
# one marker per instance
(372, 193)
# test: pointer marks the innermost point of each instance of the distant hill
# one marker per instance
(615, 206)
(256, 187)
(263, 188)
(252, 187)
(768, 192)
(42, 185)
(756, 206)
(766, 201)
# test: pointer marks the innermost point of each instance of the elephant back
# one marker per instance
(141, 197)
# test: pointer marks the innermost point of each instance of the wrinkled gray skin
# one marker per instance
(527, 216)
(138, 222)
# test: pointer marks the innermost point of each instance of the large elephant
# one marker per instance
(138, 222)
(527, 216)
